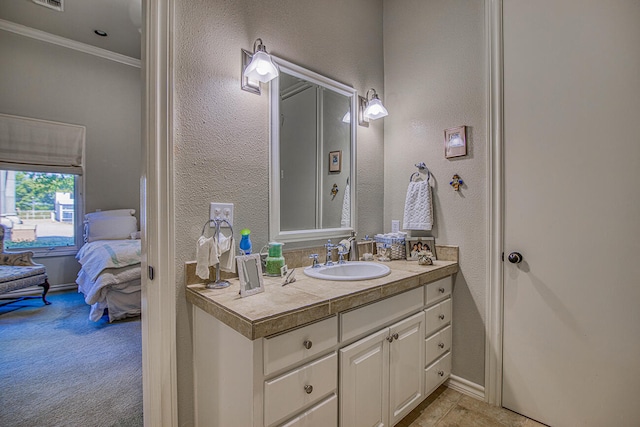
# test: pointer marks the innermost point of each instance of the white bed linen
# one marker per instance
(105, 286)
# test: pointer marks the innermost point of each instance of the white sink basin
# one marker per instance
(355, 270)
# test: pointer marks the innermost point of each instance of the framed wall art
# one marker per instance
(455, 142)
(335, 161)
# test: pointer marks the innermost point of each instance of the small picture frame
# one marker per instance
(455, 142)
(415, 245)
(335, 161)
(250, 274)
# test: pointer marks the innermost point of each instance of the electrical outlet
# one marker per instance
(222, 211)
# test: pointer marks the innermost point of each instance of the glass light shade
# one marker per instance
(375, 109)
(261, 68)
(347, 117)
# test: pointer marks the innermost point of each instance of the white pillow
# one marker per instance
(114, 212)
(110, 227)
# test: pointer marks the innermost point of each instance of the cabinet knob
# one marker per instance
(441, 317)
(441, 290)
(441, 373)
(441, 345)
(395, 336)
(308, 388)
(307, 344)
(390, 338)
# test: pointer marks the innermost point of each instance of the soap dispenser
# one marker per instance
(353, 250)
(245, 242)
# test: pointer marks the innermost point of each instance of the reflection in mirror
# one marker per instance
(312, 155)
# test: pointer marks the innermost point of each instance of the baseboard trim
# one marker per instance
(466, 387)
(37, 290)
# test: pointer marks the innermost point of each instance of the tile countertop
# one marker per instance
(280, 308)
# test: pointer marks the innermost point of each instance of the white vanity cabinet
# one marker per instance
(368, 366)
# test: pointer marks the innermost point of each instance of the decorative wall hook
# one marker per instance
(334, 191)
(456, 182)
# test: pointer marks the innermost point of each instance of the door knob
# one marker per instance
(515, 257)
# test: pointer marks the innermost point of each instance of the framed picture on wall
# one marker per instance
(415, 245)
(335, 161)
(455, 142)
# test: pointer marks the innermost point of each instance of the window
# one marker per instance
(39, 210)
(41, 182)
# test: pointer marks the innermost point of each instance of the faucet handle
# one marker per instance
(314, 257)
(341, 258)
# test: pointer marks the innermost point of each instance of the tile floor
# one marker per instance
(446, 407)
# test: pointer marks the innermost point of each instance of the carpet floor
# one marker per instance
(58, 368)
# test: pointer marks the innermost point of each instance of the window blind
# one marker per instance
(40, 145)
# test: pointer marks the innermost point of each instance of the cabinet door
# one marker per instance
(364, 385)
(406, 364)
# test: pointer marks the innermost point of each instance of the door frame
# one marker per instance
(159, 377)
(495, 191)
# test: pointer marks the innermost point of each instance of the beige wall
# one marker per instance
(434, 69)
(222, 133)
(50, 82)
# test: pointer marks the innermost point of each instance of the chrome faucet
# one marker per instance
(315, 264)
(329, 247)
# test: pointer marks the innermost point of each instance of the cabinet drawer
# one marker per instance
(324, 414)
(438, 316)
(438, 344)
(291, 347)
(288, 393)
(438, 290)
(362, 320)
(437, 373)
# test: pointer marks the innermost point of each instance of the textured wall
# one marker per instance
(222, 133)
(435, 80)
(50, 82)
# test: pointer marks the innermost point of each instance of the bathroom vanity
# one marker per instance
(322, 353)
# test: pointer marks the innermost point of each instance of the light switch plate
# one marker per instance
(221, 211)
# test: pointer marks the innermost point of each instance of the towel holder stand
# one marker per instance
(422, 168)
(218, 284)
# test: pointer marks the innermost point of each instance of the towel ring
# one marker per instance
(417, 174)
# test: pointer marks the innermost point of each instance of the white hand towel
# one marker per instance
(203, 251)
(418, 210)
(346, 208)
(226, 253)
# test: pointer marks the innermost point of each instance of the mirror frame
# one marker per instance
(275, 233)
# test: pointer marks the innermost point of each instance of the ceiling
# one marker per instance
(120, 19)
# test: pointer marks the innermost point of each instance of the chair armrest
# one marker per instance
(17, 258)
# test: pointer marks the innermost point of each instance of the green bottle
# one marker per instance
(275, 260)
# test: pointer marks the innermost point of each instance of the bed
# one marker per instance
(110, 273)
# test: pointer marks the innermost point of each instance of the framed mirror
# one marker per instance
(312, 188)
(250, 274)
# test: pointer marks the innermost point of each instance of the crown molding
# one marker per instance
(68, 43)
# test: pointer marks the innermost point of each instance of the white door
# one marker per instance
(406, 366)
(364, 382)
(571, 354)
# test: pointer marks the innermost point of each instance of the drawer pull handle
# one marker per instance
(441, 317)
(441, 373)
(390, 338)
(307, 344)
(441, 345)
(308, 388)
(441, 290)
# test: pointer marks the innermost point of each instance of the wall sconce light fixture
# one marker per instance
(257, 67)
(374, 110)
